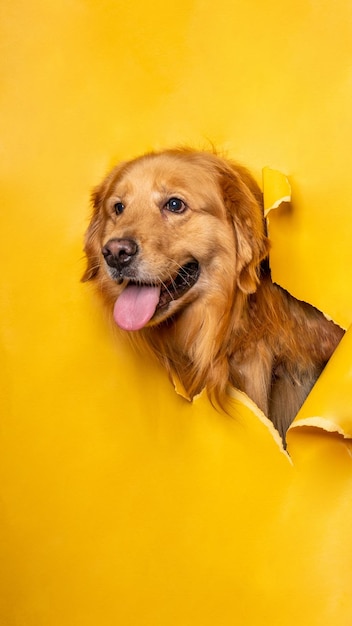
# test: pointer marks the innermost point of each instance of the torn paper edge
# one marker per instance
(179, 388)
(322, 423)
(277, 204)
(242, 397)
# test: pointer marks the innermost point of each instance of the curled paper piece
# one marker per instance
(276, 189)
(179, 387)
(329, 405)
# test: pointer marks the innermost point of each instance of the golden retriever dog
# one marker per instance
(178, 248)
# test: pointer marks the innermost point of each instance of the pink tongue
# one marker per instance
(136, 306)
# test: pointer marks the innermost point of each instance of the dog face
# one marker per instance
(170, 229)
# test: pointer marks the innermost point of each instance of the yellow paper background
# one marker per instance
(120, 502)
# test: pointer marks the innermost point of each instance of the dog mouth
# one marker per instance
(140, 302)
(185, 279)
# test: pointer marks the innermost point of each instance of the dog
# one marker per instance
(178, 248)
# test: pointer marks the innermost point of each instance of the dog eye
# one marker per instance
(175, 205)
(118, 208)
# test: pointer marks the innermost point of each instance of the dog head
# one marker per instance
(174, 228)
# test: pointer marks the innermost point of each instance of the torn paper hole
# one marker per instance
(276, 191)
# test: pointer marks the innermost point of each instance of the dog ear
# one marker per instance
(243, 201)
(93, 235)
(92, 243)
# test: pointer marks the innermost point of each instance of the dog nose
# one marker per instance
(119, 252)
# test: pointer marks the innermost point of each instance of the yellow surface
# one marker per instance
(120, 502)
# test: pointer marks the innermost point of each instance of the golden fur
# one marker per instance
(233, 325)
